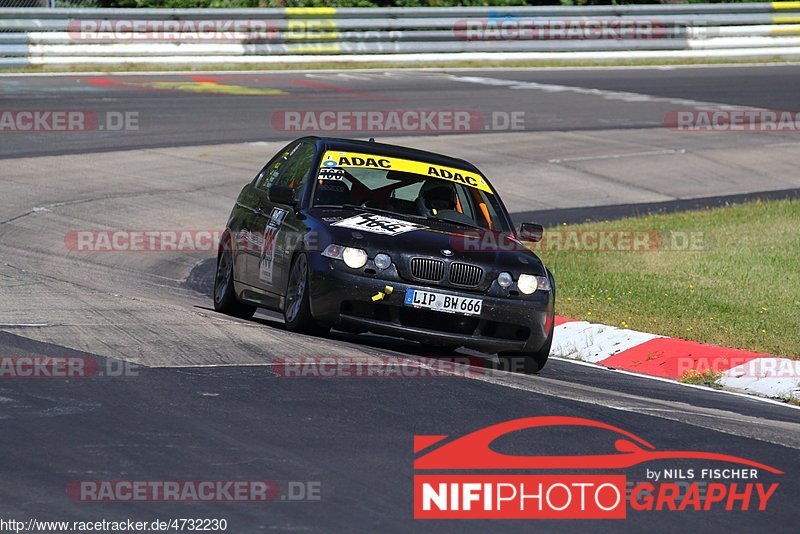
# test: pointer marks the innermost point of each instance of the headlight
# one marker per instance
(383, 261)
(504, 280)
(355, 258)
(528, 283)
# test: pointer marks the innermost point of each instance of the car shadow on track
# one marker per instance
(201, 279)
(386, 346)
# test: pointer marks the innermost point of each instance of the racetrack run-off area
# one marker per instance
(180, 392)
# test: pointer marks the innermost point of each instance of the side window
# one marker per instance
(272, 170)
(297, 170)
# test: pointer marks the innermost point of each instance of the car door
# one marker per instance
(242, 219)
(279, 226)
(250, 235)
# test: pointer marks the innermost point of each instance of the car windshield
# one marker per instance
(408, 188)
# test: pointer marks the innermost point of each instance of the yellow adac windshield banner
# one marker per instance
(335, 158)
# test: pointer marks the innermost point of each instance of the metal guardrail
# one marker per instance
(214, 36)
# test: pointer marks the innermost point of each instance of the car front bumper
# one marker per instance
(343, 296)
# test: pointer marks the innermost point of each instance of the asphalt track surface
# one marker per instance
(205, 400)
(191, 109)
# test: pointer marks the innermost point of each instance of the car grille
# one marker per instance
(427, 269)
(463, 274)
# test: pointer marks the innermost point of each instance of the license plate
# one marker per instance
(444, 303)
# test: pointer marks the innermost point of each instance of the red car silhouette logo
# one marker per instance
(473, 451)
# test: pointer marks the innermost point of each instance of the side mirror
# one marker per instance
(530, 232)
(282, 194)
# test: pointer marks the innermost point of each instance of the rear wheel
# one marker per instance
(297, 310)
(527, 362)
(225, 300)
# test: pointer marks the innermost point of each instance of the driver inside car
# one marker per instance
(437, 199)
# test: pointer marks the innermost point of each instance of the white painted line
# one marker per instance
(401, 69)
(620, 156)
(486, 375)
(777, 51)
(623, 96)
(676, 383)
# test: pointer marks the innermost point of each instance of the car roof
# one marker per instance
(384, 149)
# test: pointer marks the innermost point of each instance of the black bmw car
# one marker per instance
(363, 236)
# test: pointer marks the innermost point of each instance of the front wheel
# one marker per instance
(527, 362)
(297, 310)
(225, 300)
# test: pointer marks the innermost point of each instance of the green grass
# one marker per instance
(134, 67)
(741, 289)
(707, 378)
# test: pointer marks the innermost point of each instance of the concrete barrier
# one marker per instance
(41, 36)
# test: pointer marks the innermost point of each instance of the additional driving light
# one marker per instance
(355, 258)
(528, 283)
(383, 261)
(504, 280)
(333, 251)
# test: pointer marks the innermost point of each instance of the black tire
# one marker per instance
(225, 300)
(527, 362)
(297, 310)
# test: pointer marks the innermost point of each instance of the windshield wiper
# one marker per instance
(369, 209)
(451, 221)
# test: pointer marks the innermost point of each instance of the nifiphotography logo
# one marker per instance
(582, 486)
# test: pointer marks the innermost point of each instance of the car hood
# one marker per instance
(495, 251)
